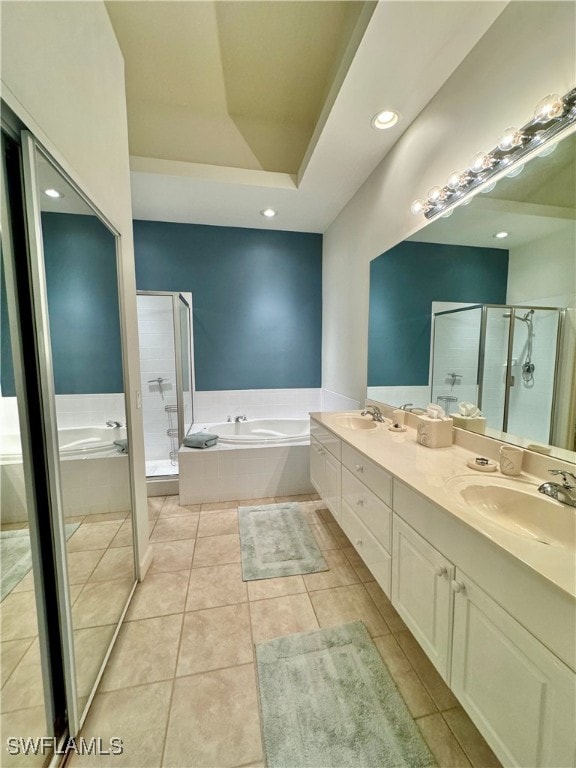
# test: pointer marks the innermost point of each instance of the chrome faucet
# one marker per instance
(240, 418)
(373, 411)
(565, 493)
(113, 424)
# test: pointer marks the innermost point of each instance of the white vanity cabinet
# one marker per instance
(325, 469)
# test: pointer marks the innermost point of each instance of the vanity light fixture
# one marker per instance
(385, 119)
(269, 213)
(53, 193)
(553, 115)
(501, 235)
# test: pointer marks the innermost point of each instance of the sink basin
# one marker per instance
(516, 506)
(355, 421)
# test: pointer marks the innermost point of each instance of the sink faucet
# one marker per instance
(373, 411)
(240, 418)
(113, 424)
(565, 493)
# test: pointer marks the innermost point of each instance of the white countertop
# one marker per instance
(426, 470)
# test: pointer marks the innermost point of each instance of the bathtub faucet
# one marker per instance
(113, 424)
(240, 418)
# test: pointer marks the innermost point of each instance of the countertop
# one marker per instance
(427, 470)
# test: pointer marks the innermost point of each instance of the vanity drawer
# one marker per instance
(371, 474)
(377, 560)
(368, 507)
(326, 438)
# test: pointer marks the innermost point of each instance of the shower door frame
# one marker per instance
(510, 349)
(177, 297)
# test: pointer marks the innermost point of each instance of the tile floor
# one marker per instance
(180, 687)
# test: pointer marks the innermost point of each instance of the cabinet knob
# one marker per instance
(360, 502)
(441, 570)
(358, 542)
(458, 586)
(359, 468)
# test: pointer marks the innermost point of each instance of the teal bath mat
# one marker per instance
(328, 701)
(16, 557)
(276, 540)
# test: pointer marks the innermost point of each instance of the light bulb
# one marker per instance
(53, 193)
(549, 108)
(385, 119)
(511, 138)
(454, 180)
(435, 194)
(269, 213)
(419, 206)
(480, 162)
(501, 235)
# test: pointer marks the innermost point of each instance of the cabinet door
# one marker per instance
(421, 592)
(317, 463)
(520, 696)
(369, 548)
(332, 484)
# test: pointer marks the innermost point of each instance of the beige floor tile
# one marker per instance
(172, 555)
(175, 528)
(32, 722)
(26, 584)
(100, 602)
(217, 506)
(280, 616)
(82, 564)
(340, 574)
(257, 502)
(470, 739)
(18, 616)
(11, 651)
(324, 538)
(93, 536)
(216, 585)
(138, 716)
(159, 595)
(442, 742)
(172, 508)
(436, 687)
(90, 647)
(338, 534)
(385, 607)
(284, 585)
(24, 688)
(409, 684)
(217, 550)
(106, 517)
(313, 515)
(215, 638)
(358, 564)
(116, 563)
(145, 651)
(125, 535)
(301, 497)
(218, 523)
(223, 708)
(343, 604)
(155, 503)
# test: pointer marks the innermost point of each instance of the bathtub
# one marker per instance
(261, 431)
(72, 442)
(255, 459)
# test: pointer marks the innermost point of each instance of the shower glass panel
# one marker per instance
(76, 286)
(494, 369)
(164, 329)
(455, 357)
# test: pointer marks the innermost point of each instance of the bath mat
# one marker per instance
(276, 540)
(328, 701)
(16, 557)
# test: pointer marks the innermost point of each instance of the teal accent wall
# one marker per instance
(257, 298)
(404, 282)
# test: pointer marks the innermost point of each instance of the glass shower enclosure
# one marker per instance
(166, 365)
(505, 359)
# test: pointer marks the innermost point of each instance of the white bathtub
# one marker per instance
(72, 442)
(261, 431)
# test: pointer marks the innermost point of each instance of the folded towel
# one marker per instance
(121, 446)
(200, 440)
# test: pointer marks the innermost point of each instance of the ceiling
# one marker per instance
(235, 106)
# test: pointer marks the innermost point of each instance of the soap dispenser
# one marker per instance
(434, 428)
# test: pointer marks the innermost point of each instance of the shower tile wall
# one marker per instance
(456, 345)
(157, 356)
(216, 406)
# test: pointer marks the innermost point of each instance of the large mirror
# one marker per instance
(480, 307)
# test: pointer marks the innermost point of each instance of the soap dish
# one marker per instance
(397, 428)
(481, 464)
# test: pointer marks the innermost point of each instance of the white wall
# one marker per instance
(63, 75)
(528, 53)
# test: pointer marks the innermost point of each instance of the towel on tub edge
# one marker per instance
(200, 440)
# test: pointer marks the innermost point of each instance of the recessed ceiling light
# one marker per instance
(385, 119)
(501, 235)
(51, 192)
(269, 213)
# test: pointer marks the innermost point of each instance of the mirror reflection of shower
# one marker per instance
(527, 366)
(164, 328)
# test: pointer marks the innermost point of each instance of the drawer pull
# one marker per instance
(441, 570)
(458, 586)
(359, 468)
(360, 502)
(358, 542)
